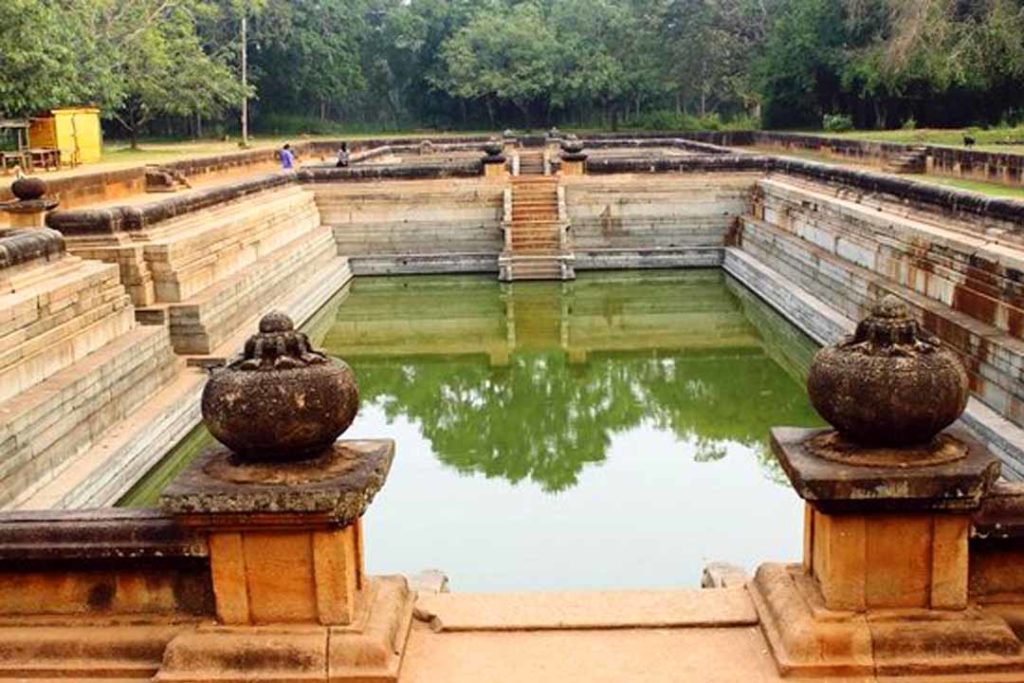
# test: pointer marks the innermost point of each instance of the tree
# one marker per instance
(502, 55)
(38, 62)
(799, 72)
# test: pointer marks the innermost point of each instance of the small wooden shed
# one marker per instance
(75, 131)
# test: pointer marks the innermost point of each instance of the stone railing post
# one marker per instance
(495, 161)
(573, 157)
(883, 587)
(279, 502)
(31, 205)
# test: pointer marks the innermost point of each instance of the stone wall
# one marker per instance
(449, 225)
(955, 162)
(658, 221)
(844, 250)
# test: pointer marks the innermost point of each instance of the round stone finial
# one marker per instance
(27, 188)
(282, 400)
(890, 384)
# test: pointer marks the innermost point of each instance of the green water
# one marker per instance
(609, 432)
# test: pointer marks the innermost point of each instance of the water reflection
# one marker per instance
(533, 381)
(605, 433)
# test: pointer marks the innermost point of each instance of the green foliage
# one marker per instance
(166, 66)
(837, 123)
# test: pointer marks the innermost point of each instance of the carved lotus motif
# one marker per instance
(889, 384)
(281, 400)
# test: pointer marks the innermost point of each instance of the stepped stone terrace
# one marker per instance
(116, 303)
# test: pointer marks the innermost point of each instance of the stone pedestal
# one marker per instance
(286, 566)
(29, 213)
(571, 168)
(495, 167)
(574, 164)
(883, 587)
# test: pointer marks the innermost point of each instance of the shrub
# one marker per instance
(910, 123)
(837, 123)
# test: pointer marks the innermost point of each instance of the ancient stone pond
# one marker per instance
(582, 369)
(542, 420)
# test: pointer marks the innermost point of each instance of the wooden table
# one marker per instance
(46, 158)
(10, 160)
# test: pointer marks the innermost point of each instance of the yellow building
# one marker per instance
(75, 131)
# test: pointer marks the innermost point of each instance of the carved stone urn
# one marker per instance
(572, 145)
(890, 384)
(493, 148)
(281, 400)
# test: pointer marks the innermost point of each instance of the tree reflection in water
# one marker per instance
(532, 382)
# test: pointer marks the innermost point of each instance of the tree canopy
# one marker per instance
(165, 66)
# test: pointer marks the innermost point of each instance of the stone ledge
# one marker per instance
(23, 246)
(699, 608)
(346, 479)
(105, 534)
(834, 487)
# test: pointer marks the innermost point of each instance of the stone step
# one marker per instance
(203, 322)
(183, 266)
(955, 266)
(48, 328)
(44, 428)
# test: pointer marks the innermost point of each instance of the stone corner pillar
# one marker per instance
(572, 166)
(286, 567)
(495, 167)
(279, 502)
(883, 588)
(882, 536)
(29, 209)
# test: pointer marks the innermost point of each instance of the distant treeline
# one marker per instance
(171, 67)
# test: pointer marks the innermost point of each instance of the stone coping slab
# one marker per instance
(698, 608)
(100, 534)
(834, 487)
(706, 158)
(335, 487)
(19, 246)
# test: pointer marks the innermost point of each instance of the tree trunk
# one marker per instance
(323, 110)
(679, 103)
(133, 128)
(525, 109)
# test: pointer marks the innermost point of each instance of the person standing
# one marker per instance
(287, 158)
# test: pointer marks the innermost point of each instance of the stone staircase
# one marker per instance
(531, 162)
(74, 366)
(913, 160)
(208, 275)
(536, 239)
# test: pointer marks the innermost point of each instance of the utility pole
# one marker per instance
(245, 84)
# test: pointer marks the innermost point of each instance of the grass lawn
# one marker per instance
(990, 189)
(992, 140)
